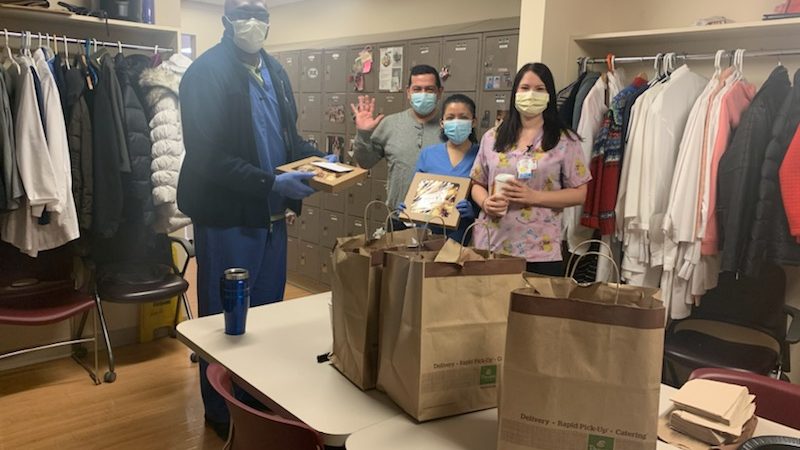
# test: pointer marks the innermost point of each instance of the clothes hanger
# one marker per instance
(11, 55)
(656, 69)
(119, 47)
(66, 53)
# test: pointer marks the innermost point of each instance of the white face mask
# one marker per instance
(249, 35)
(532, 103)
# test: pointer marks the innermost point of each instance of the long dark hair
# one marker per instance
(554, 127)
(461, 98)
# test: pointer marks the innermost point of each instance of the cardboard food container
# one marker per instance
(433, 199)
(327, 179)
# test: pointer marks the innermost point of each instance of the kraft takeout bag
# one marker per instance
(357, 264)
(582, 367)
(443, 325)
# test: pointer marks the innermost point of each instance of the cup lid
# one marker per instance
(236, 274)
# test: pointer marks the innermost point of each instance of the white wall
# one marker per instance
(322, 20)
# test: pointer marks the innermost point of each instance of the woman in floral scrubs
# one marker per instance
(550, 174)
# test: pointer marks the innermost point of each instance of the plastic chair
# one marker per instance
(38, 292)
(776, 400)
(137, 267)
(254, 429)
(740, 325)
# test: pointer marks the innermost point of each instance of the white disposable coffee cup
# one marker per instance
(501, 181)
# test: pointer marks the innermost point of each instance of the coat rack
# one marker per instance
(27, 35)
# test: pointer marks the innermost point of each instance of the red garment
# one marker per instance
(790, 185)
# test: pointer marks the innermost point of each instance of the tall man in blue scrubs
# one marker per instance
(239, 124)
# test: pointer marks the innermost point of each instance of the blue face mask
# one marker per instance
(458, 130)
(423, 103)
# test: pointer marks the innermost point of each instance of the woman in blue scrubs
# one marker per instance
(455, 156)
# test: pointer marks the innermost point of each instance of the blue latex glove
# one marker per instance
(332, 158)
(291, 185)
(465, 209)
(401, 206)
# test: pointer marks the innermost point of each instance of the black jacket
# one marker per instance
(79, 132)
(110, 158)
(221, 183)
(740, 170)
(770, 240)
(136, 185)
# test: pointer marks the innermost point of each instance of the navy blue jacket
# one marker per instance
(221, 182)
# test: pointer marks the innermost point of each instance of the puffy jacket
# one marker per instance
(739, 171)
(160, 87)
(137, 188)
(770, 238)
(79, 132)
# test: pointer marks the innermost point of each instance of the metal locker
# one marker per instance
(352, 99)
(292, 254)
(314, 200)
(335, 114)
(428, 52)
(336, 70)
(461, 57)
(499, 62)
(293, 231)
(355, 226)
(358, 197)
(333, 227)
(380, 171)
(309, 260)
(390, 103)
(291, 63)
(325, 269)
(310, 112)
(334, 202)
(379, 191)
(492, 108)
(335, 144)
(310, 225)
(311, 71)
(388, 54)
(370, 80)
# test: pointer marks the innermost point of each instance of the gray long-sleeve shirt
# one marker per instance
(399, 138)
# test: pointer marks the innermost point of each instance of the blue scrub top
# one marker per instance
(435, 160)
(268, 130)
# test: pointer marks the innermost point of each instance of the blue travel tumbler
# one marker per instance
(148, 11)
(235, 293)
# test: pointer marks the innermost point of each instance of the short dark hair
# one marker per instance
(461, 98)
(424, 69)
(508, 131)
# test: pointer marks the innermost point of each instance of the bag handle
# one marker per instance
(367, 234)
(404, 215)
(488, 236)
(584, 243)
(601, 255)
(431, 218)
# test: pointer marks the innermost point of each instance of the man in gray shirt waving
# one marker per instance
(400, 137)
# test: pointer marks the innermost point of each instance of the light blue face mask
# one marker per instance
(423, 103)
(457, 130)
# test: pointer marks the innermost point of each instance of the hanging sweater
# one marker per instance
(160, 86)
(790, 185)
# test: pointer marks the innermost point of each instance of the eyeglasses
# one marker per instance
(244, 14)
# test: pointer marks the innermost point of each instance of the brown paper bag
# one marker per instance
(357, 264)
(442, 332)
(582, 367)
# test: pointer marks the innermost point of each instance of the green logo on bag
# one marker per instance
(488, 375)
(600, 442)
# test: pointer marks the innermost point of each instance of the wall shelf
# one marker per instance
(72, 25)
(758, 35)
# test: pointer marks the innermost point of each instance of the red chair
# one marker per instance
(254, 429)
(776, 400)
(38, 292)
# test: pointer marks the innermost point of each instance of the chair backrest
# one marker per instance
(755, 303)
(776, 400)
(253, 429)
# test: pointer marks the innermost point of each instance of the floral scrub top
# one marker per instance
(531, 233)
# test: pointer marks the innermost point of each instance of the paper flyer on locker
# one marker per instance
(391, 69)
